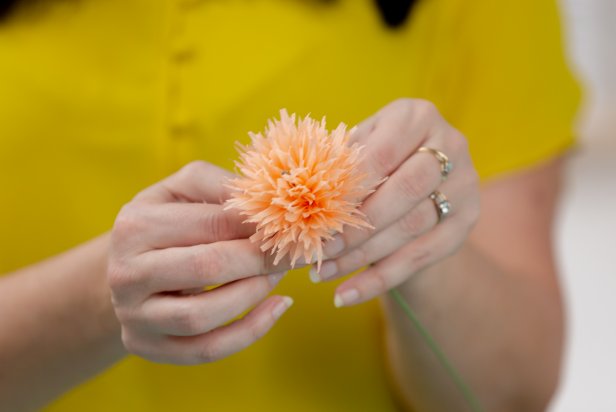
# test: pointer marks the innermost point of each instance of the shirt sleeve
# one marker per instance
(505, 82)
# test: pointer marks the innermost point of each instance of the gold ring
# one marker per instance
(446, 165)
(443, 207)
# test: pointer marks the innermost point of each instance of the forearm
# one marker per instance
(57, 326)
(501, 329)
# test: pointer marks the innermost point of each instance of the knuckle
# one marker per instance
(184, 320)
(193, 168)
(424, 107)
(415, 186)
(191, 171)
(404, 104)
(119, 276)
(127, 316)
(115, 274)
(127, 223)
(207, 353)
(458, 141)
(413, 223)
(411, 109)
(217, 225)
(383, 159)
(208, 261)
(144, 348)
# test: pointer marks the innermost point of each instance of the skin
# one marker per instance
(485, 287)
(56, 313)
(494, 282)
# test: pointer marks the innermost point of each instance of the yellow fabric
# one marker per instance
(99, 98)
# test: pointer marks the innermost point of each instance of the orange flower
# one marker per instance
(299, 183)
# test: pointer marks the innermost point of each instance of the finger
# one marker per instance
(405, 189)
(409, 185)
(182, 268)
(199, 313)
(393, 270)
(417, 222)
(399, 129)
(158, 226)
(216, 344)
(198, 181)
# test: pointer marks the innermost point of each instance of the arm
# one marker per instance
(494, 306)
(58, 326)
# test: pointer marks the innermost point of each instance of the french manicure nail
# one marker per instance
(314, 275)
(333, 247)
(282, 307)
(346, 297)
(274, 278)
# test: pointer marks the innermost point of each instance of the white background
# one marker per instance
(586, 230)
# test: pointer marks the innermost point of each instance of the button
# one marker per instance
(184, 55)
(180, 130)
(183, 130)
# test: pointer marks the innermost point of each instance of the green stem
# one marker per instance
(470, 398)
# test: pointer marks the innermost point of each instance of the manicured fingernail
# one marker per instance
(334, 246)
(274, 278)
(282, 307)
(346, 297)
(314, 275)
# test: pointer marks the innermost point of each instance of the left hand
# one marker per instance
(408, 236)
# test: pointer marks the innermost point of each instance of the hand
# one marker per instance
(408, 236)
(169, 243)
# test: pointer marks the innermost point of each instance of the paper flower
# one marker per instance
(300, 184)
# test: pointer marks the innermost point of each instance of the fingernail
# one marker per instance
(333, 247)
(282, 307)
(314, 275)
(328, 269)
(274, 278)
(346, 297)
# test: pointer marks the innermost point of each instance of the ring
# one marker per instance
(446, 165)
(443, 207)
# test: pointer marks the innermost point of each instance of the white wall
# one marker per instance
(591, 37)
(586, 235)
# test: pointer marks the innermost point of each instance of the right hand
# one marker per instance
(165, 249)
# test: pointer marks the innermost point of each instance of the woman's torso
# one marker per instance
(101, 98)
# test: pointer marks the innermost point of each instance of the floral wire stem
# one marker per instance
(470, 398)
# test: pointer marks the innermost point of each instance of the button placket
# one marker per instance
(181, 125)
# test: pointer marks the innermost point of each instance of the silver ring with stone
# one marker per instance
(443, 207)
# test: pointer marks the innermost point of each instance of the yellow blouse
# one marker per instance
(100, 98)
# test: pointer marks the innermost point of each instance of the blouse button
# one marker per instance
(183, 130)
(183, 55)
